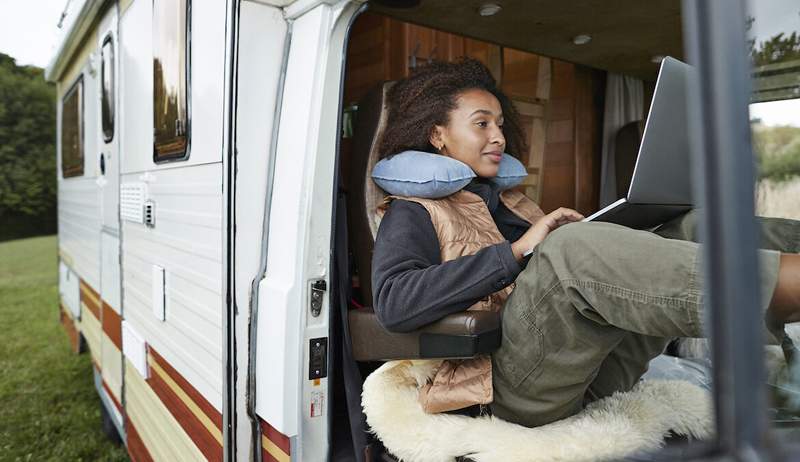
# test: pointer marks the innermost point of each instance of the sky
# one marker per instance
(29, 33)
(28, 29)
(771, 18)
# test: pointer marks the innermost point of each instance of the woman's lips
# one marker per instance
(495, 156)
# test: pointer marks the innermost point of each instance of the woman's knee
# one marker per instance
(576, 248)
(567, 240)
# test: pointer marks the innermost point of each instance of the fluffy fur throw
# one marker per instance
(614, 427)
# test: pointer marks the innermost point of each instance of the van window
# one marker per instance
(774, 48)
(170, 83)
(107, 81)
(72, 131)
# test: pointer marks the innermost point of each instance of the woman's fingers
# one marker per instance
(563, 215)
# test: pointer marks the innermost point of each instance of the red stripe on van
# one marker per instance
(191, 424)
(280, 440)
(112, 325)
(136, 448)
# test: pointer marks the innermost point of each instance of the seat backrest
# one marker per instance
(627, 143)
(364, 196)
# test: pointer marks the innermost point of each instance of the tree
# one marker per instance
(27, 150)
(777, 49)
(780, 48)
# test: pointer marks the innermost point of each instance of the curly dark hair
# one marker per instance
(426, 98)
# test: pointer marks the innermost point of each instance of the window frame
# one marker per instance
(713, 34)
(77, 85)
(109, 39)
(182, 156)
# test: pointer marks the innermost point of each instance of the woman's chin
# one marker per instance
(486, 172)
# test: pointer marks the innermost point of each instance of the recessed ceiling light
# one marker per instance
(489, 9)
(657, 59)
(582, 39)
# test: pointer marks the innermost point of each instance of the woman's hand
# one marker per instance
(542, 228)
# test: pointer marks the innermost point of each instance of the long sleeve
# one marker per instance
(412, 287)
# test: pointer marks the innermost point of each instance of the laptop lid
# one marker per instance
(662, 173)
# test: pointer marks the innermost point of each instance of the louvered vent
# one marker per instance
(131, 201)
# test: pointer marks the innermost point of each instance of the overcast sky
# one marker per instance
(28, 33)
(28, 29)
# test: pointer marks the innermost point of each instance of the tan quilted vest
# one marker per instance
(464, 226)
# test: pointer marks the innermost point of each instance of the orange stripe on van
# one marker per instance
(198, 418)
(112, 325)
(275, 446)
(90, 298)
(69, 327)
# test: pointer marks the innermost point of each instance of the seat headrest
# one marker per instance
(364, 196)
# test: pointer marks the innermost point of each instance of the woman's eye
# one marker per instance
(482, 124)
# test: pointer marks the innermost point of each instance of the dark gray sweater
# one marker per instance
(413, 287)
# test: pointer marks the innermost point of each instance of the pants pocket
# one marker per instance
(521, 350)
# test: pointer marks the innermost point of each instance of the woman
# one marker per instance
(585, 306)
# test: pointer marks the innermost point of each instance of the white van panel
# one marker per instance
(262, 31)
(316, 396)
(187, 243)
(70, 289)
(78, 198)
(109, 289)
(136, 86)
(282, 293)
(206, 86)
(79, 227)
(135, 349)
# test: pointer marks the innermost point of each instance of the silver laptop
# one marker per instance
(661, 184)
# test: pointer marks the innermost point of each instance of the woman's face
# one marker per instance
(474, 134)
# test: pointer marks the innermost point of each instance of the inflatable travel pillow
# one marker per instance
(432, 176)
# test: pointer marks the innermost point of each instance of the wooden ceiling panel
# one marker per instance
(626, 34)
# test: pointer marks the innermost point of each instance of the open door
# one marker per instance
(110, 379)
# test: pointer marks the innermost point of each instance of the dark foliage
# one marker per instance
(777, 49)
(27, 151)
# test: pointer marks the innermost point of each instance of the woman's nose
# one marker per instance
(496, 136)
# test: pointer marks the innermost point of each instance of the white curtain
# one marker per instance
(624, 104)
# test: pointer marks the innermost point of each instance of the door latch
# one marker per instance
(318, 289)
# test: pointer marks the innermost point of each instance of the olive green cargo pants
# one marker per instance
(596, 303)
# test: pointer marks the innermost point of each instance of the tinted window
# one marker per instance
(107, 80)
(72, 131)
(169, 79)
(774, 47)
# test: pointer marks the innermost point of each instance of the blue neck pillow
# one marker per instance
(433, 176)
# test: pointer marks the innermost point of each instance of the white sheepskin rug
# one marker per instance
(614, 427)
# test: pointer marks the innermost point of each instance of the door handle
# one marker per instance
(102, 164)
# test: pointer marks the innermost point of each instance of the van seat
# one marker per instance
(460, 335)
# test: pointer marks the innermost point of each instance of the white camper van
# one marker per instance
(215, 209)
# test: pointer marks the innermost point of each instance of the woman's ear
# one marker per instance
(436, 137)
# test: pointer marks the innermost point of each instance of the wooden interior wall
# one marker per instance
(560, 103)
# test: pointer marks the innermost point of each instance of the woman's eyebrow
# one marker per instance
(484, 112)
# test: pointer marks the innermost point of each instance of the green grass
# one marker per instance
(778, 152)
(49, 409)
